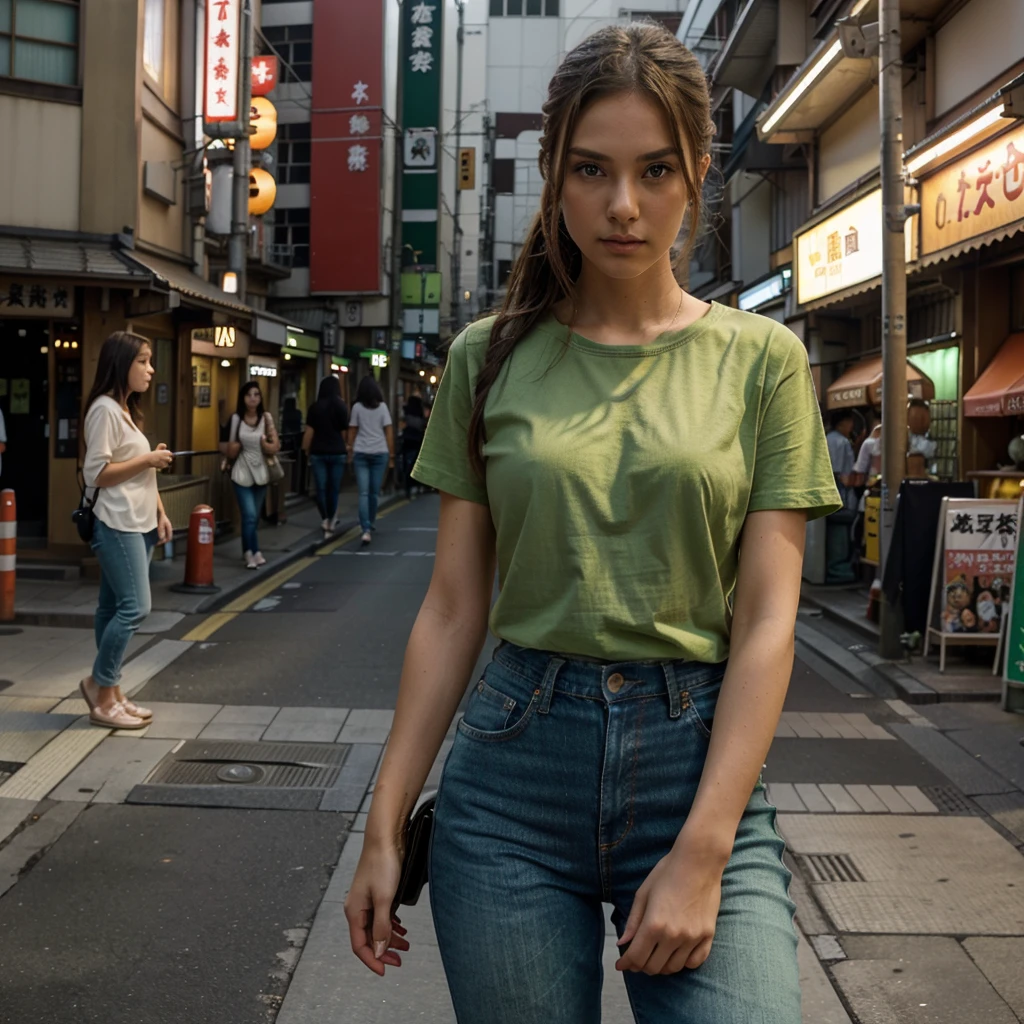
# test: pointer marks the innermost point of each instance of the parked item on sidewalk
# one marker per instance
(3, 441)
(128, 518)
(252, 446)
(324, 441)
(606, 442)
(371, 442)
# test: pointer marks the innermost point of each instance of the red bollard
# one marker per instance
(199, 555)
(8, 547)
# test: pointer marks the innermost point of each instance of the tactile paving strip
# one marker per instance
(950, 800)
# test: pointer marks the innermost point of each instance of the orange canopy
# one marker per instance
(999, 391)
(862, 385)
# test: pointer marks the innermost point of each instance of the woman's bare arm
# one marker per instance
(443, 648)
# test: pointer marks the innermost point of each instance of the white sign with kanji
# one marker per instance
(220, 81)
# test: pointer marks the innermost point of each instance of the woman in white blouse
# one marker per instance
(130, 519)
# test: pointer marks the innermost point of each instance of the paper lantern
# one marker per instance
(262, 191)
(263, 118)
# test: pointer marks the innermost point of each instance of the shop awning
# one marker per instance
(88, 258)
(999, 391)
(743, 60)
(178, 278)
(862, 385)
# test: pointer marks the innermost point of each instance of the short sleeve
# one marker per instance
(863, 463)
(102, 434)
(444, 456)
(792, 469)
(387, 416)
(353, 420)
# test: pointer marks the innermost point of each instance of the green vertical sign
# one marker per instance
(421, 127)
(1013, 674)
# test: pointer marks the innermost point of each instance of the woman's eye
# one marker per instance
(658, 170)
(588, 170)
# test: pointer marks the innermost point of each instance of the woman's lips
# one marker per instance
(615, 245)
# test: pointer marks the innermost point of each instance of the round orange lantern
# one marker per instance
(262, 191)
(263, 118)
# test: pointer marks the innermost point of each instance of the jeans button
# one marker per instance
(615, 682)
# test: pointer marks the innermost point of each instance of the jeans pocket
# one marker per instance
(498, 712)
(701, 699)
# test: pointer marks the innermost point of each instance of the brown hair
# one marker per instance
(118, 353)
(641, 58)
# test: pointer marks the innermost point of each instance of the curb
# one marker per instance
(305, 547)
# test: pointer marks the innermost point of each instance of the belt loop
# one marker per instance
(547, 688)
(672, 685)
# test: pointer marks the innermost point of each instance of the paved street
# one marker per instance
(139, 884)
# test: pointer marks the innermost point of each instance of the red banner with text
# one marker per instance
(346, 134)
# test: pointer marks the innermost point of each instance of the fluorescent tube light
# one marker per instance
(817, 69)
(950, 142)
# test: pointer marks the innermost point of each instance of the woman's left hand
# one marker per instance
(672, 921)
(164, 530)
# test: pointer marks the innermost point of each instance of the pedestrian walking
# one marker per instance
(252, 439)
(611, 443)
(324, 441)
(129, 519)
(414, 425)
(371, 442)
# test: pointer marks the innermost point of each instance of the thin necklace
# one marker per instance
(572, 323)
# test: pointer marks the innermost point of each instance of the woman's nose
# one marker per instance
(623, 206)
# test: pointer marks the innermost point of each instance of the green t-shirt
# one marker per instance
(619, 477)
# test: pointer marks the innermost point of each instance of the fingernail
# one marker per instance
(378, 949)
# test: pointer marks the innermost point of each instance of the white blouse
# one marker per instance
(111, 436)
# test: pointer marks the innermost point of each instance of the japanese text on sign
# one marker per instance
(421, 59)
(220, 81)
(25, 298)
(978, 193)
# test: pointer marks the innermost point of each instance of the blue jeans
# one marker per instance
(568, 781)
(250, 503)
(125, 598)
(370, 470)
(327, 472)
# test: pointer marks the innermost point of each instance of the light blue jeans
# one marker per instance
(560, 794)
(125, 598)
(250, 504)
(370, 470)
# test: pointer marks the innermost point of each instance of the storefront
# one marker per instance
(300, 378)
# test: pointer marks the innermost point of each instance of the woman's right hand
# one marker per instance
(160, 457)
(376, 936)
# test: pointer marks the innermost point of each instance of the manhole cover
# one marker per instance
(221, 773)
(829, 867)
(950, 800)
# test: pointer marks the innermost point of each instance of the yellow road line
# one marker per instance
(331, 546)
(209, 626)
(393, 508)
(270, 584)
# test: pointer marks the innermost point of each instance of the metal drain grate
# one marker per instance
(829, 867)
(950, 800)
(267, 765)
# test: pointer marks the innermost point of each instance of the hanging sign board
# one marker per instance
(1013, 663)
(264, 74)
(220, 71)
(973, 572)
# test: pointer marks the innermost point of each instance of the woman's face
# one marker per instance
(141, 372)
(624, 195)
(253, 399)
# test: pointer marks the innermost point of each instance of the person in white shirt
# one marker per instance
(129, 519)
(371, 439)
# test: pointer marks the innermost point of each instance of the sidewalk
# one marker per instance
(917, 678)
(71, 605)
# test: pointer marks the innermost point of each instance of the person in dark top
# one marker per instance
(415, 421)
(324, 441)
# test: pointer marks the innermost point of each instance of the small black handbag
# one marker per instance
(417, 848)
(84, 517)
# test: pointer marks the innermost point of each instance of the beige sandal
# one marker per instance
(116, 718)
(134, 709)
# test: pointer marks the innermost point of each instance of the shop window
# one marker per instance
(293, 154)
(293, 45)
(504, 269)
(291, 229)
(153, 40)
(519, 8)
(39, 40)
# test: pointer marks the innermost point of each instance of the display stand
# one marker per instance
(972, 574)
(1013, 658)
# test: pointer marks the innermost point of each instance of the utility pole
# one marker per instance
(894, 299)
(457, 233)
(396, 332)
(238, 243)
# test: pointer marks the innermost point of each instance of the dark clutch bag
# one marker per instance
(417, 848)
(84, 517)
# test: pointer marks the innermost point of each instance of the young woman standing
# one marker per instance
(371, 438)
(251, 438)
(324, 440)
(613, 444)
(130, 519)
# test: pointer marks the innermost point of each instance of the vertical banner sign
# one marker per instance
(421, 122)
(1013, 665)
(223, 45)
(346, 133)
